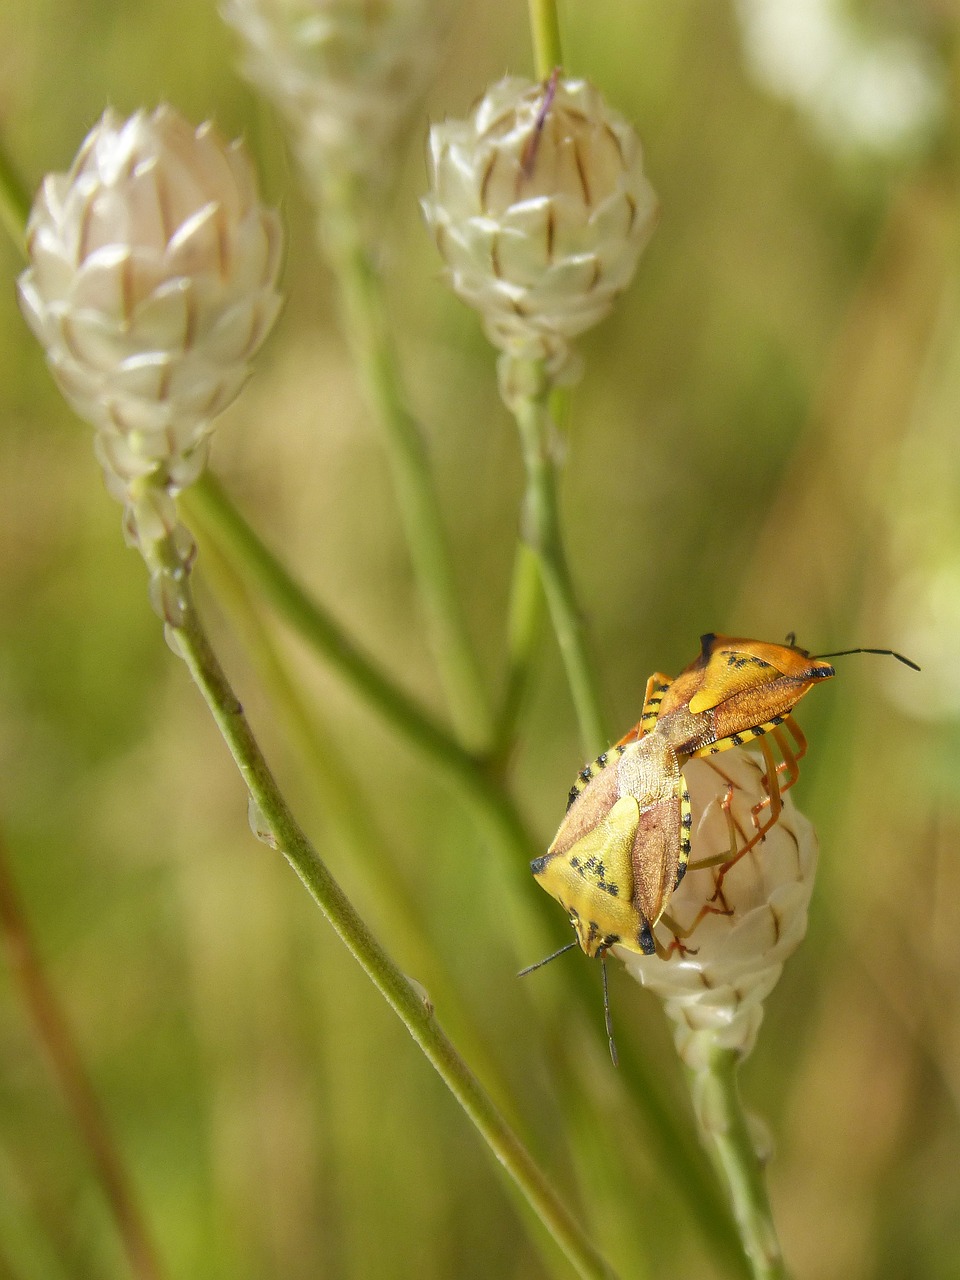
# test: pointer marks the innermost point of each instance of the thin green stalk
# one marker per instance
(525, 624)
(53, 1032)
(351, 816)
(545, 32)
(407, 1002)
(370, 338)
(541, 529)
(14, 202)
(726, 1135)
(368, 680)
(524, 630)
(490, 802)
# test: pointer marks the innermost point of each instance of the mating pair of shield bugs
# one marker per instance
(624, 844)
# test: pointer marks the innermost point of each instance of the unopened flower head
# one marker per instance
(714, 993)
(540, 208)
(344, 73)
(152, 282)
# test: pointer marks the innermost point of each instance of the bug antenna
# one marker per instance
(606, 1012)
(842, 653)
(546, 959)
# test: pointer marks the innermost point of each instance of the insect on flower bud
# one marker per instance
(540, 208)
(714, 992)
(151, 285)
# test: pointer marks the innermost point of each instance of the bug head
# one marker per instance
(732, 666)
(560, 876)
(744, 682)
(590, 939)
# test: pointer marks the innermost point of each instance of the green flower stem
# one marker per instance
(726, 1135)
(53, 1032)
(259, 565)
(525, 624)
(524, 631)
(400, 993)
(352, 819)
(14, 202)
(541, 530)
(545, 31)
(370, 339)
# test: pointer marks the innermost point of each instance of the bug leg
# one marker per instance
(772, 801)
(791, 755)
(719, 859)
(682, 932)
(657, 686)
(676, 944)
(686, 822)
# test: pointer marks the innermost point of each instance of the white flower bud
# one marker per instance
(540, 209)
(344, 73)
(714, 993)
(151, 284)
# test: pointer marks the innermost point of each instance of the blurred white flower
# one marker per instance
(922, 614)
(344, 74)
(876, 92)
(714, 993)
(540, 208)
(151, 284)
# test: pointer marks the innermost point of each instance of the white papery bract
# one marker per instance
(152, 282)
(540, 208)
(714, 993)
(344, 74)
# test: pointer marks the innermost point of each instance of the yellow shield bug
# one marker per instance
(624, 843)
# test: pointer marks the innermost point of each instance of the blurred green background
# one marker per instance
(764, 441)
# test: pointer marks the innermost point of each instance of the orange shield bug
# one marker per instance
(624, 843)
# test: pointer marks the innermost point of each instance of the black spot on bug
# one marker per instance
(538, 864)
(645, 940)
